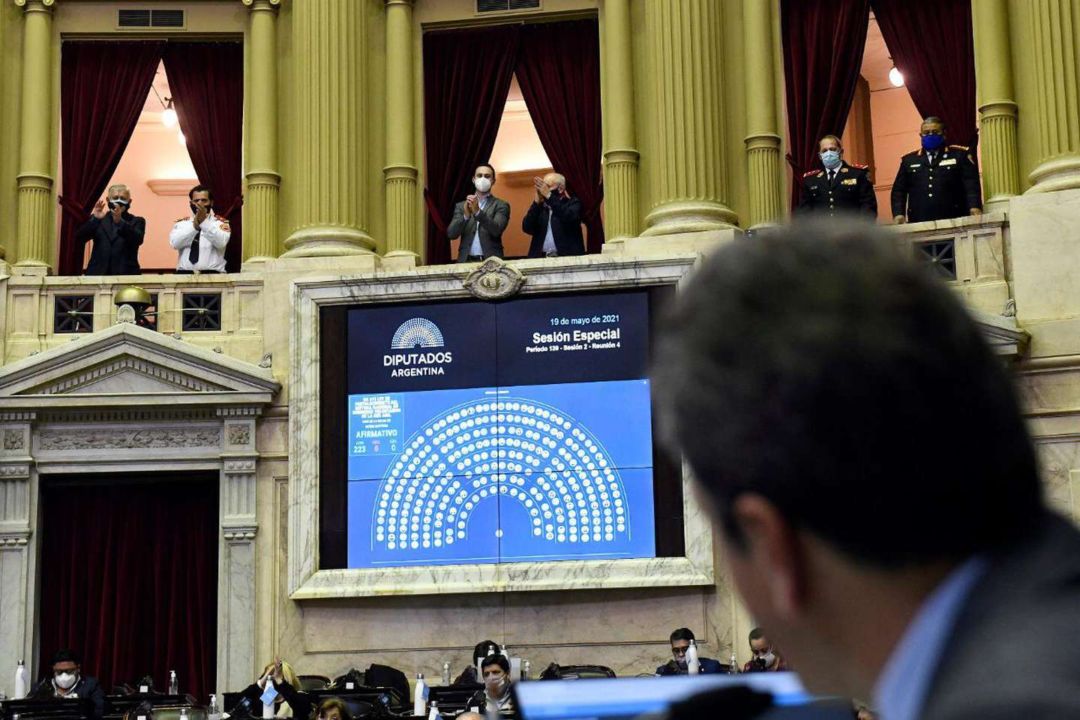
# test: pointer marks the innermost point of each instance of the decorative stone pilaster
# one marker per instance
(400, 172)
(621, 156)
(16, 550)
(332, 99)
(763, 138)
(684, 44)
(263, 181)
(1055, 25)
(997, 106)
(35, 229)
(239, 527)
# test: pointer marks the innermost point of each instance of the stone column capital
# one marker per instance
(35, 5)
(262, 4)
(406, 3)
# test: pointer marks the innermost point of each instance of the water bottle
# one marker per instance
(420, 696)
(526, 668)
(183, 713)
(434, 714)
(20, 681)
(693, 664)
(213, 712)
(445, 674)
(174, 686)
(733, 666)
(268, 708)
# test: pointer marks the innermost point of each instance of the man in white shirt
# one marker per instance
(200, 240)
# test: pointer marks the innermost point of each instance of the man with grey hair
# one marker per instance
(554, 219)
(799, 374)
(116, 234)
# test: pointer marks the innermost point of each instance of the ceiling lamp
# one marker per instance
(168, 117)
(896, 77)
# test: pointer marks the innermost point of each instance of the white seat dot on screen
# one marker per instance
(461, 534)
(391, 546)
(537, 532)
(499, 533)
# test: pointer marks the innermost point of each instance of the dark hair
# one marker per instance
(489, 166)
(499, 660)
(481, 650)
(200, 188)
(332, 703)
(682, 634)
(821, 368)
(756, 634)
(66, 655)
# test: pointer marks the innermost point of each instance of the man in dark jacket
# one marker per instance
(67, 682)
(116, 233)
(553, 220)
(838, 187)
(937, 181)
(678, 665)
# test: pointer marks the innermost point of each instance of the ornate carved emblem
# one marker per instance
(13, 440)
(125, 314)
(130, 439)
(238, 434)
(494, 280)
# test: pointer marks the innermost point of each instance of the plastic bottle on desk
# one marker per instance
(733, 666)
(693, 663)
(434, 713)
(526, 668)
(20, 681)
(268, 707)
(445, 673)
(174, 685)
(213, 712)
(420, 696)
(183, 713)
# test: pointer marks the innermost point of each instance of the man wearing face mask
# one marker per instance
(554, 219)
(936, 182)
(116, 234)
(766, 658)
(480, 219)
(839, 187)
(495, 670)
(678, 665)
(200, 240)
(68, 682)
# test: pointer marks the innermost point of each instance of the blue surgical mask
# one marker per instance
(932, 142)
(830, 159)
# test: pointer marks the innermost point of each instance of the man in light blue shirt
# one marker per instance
(480, 219)
(864, 453)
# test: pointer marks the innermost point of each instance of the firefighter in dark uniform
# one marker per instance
(936, 182)
(839, 187)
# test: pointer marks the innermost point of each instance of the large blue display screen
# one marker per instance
(483, 433)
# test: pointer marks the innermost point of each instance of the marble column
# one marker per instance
(36, 222)
(1054, 44)
(332, 101)
(17, 551)
(262, 178)
(402, 231)
(997, 106)
(684, 40)
(621, 157)
(763, 137)
(237, 564)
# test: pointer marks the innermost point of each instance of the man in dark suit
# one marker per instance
(679, 665)
(553, 220)
(837, 187)
(921, 572)
(117, 235)
(67, 681)
(937, 181)
(480, 219)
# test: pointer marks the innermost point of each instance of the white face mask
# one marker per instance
(66, 681)
(768, 658)
(482, 184)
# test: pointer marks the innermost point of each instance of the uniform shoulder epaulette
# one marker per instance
(812, 172)
(959, 147)
(182, 219)
(859, 166)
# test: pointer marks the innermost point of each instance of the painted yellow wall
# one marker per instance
(10, 73)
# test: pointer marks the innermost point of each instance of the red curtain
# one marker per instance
(467, 77)
(559, 71)
(931, 43)
(103, 87)
(823, 47)
(129, 578)
(207, 84)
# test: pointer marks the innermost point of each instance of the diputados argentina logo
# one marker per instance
(407, 356)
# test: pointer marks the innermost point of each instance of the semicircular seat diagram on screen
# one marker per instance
(513, 474)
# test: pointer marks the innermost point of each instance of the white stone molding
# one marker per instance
(307, 581)
(130, 399)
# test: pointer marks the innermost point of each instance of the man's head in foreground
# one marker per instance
(852, 432)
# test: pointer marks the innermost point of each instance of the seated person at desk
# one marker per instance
(766, 657)
(495, 670)
(680, 641)
(468, 676)
(289, 701)
(332, 708)
(68, 682)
